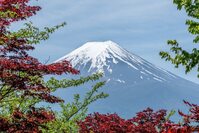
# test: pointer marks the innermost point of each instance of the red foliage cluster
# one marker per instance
(19, 8)
(190, 122)
(26, 122)
(146, 121)
(15, 60)
(100, 123)
(17, 70)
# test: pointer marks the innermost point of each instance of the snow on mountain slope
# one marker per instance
(133, 83)
(98, 52)
(100, 56)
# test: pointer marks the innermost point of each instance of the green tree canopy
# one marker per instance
(178, 55)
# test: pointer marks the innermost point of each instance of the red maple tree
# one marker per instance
(21, 73)
(146, 121)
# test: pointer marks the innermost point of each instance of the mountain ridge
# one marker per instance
(97, 54)
(132, 82)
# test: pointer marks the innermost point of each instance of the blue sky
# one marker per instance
(140, 26)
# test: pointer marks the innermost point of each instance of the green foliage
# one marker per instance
(170, 114)
(11, 100)
(7, 14)
(66, 120)
(34, 35)
(54, 84)
(180, 56)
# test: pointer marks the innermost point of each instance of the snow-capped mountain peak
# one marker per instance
(104, 56)
(94, 49)
(133, 83)
(97, 54)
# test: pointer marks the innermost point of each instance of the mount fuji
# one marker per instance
(133, 84)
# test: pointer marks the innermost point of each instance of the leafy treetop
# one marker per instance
(179, 55)
(21, 75)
